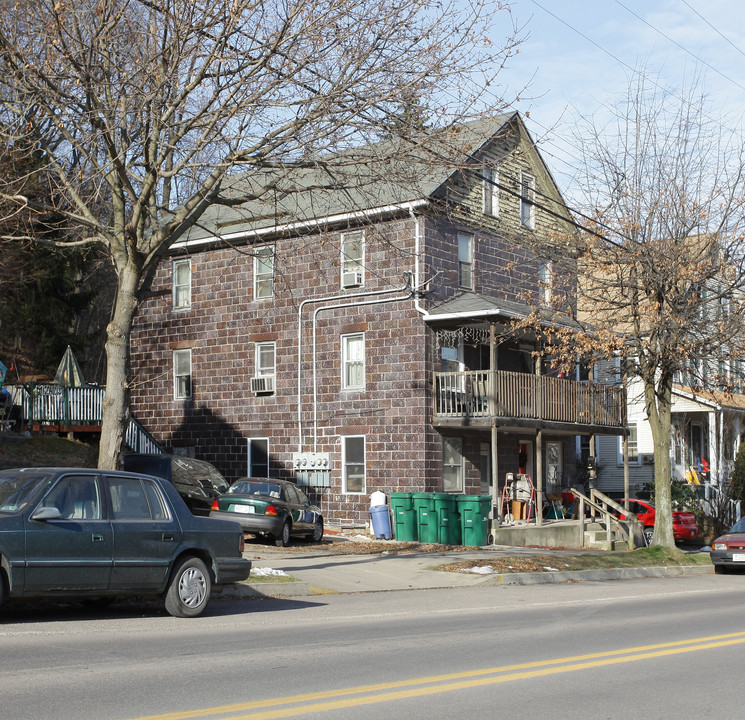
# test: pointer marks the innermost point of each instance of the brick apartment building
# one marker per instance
(355, 336)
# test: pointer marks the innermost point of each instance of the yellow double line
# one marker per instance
(327, 700)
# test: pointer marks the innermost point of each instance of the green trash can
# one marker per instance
(404, 517)
(474, 518)
(426, 517)
(448, 519)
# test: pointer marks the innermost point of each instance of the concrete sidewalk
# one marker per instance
(322, 570)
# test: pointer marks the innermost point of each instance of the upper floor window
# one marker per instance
(181, 284)
(352, 259)
(465, 261)
(527, 200)
(181, 374)
(353, 361)
(264, 272)
(263, 380)
(545, 281)
(490, 191)
(353, 449)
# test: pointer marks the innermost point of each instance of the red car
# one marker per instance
(684, 521)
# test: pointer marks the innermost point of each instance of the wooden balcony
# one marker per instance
(478, 398)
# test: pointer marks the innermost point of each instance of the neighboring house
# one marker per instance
(356, 336)
(707, 429)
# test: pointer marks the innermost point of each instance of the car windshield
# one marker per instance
(739, 526)
(254, 487)
(18, 488)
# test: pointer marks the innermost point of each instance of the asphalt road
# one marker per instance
(653, 648)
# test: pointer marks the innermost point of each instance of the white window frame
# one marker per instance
(635, 457)
(459, 467)
(351, 264)
(181, 290)
(262, 369)
(345, 465)
(465, 261)
(250, 454)
(490, 191)
(264, 280)
(527, 200)
(347, 361)
(545, 282)
(182, 381)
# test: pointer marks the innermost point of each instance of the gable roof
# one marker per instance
(379, 179)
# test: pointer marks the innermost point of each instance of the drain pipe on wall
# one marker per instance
(361, 303)
(327, 299)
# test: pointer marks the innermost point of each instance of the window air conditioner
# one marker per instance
(262, 384)
(351, 279)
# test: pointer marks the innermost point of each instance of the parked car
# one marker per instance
(76, 532)
(684, 521)
(728, 550)
(198, 482)
(277, 509)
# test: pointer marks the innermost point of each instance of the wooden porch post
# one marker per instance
(539, 478)
(492, 404)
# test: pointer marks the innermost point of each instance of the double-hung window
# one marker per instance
(633, 447)
(264, 272)
(181, 284)
(490, 191)
(545, 281)
(258, 457)
(181, 374)
(353, 361)
(527, 201)
(452, 464)
(352, 259)
(465, 261)
(353, 448)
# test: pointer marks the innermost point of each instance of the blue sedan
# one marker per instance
(76, 532)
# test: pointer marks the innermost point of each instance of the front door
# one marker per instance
(73, 552)
(525, 458)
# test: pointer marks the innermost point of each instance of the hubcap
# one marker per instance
(192, 587)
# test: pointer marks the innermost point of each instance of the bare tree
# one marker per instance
(662, 261)
(141, 109)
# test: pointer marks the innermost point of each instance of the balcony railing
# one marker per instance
(503, 394)
(70, 407)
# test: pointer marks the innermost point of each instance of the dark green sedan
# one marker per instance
(76, 532)
(277, 509)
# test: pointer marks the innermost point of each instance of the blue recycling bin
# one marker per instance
(381, 521)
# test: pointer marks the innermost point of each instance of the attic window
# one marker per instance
(490, 191)
(527, 200)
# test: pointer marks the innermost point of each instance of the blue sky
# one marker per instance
(579, 55)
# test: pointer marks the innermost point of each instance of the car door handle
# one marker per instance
(167, 537)
(97, 537)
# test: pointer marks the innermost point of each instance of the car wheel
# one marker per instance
(317, 535)
(190, 588)
(283, 539)
(649, 534)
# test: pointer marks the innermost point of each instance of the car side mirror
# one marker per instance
(46, 513)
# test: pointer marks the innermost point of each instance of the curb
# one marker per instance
(241, 591)
(540, 578)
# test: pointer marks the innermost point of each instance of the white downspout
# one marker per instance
(417, 242)
(315, 317)
(328, 298)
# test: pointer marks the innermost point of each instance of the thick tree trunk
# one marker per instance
(659, 411)
(116, 401)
